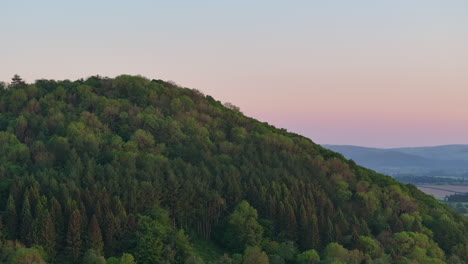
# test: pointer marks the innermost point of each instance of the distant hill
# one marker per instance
(445, 152)
(448, 160)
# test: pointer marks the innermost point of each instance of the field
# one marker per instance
(440, 191)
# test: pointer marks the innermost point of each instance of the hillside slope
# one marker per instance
(102, 167)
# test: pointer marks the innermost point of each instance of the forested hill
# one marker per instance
(132, 170)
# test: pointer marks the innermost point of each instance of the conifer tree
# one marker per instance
(26, 222)
(17, 82)
(48, 234)
(12, 218)
(56, 216)
(315, 232)
(74, 243)
(305, 230)
(95, 236)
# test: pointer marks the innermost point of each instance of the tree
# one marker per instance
(149, 249)
(243, 229)
(12, 218)
(254, 255)
(288, 251)
(26, 221)
(93, 257)
(336, 252)
(2, 86)
(127, 259)
(28, 256)
(74, 235)
(305, 229)
(48, 234)
(370, 246)
(233, 107)
(17, 82)
(308, 257)
(95, 236)
(194, 260)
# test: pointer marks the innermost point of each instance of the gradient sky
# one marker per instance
(372, 73)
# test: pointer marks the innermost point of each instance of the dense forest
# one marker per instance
(132, 170)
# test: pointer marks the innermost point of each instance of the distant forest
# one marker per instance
(431, 180)
(131, 170)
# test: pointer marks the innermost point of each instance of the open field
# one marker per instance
(440, 191)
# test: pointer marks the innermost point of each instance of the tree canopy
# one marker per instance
(98, 168)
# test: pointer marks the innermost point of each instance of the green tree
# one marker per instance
(336, 252)
(17, 82)
(288, 251)
(127, 259)
(95, 236)
(243, 229)
(308, 257)
(254, 255)
(48, 234)
(370, 246)
(28, 256)
(194, 260)
(26, 222)
(74, 243)
(149, 249)
(12, 218)
(93, 257)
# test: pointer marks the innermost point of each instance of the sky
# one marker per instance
(370, 73)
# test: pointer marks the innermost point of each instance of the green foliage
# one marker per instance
(370, 246)
(254, 255)
(336, 252)
(125, 259)
(13, 252)
(157, 241)
(126, 164)
(288, 251)
(194, 260)
(308, 257)
(243, 229)
(93, 257)
(27, 256)
(416, 247)
(74, 241)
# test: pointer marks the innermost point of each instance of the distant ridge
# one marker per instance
(445, 159)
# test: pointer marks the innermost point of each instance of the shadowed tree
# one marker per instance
(12, 218)
(95, 236)
(74, 242)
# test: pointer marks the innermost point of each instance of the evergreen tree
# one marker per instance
(74, 243)
(12, 218)
(26, 222)
(57, 218)
(17, 82)
(49, 235)
(38, 224)
(305, 230)
(95, 236)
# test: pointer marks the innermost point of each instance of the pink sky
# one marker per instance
(383, 74)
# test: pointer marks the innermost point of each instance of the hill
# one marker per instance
(129, 169)
(448, 160)
(445, 152)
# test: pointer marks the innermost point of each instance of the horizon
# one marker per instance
(392, 148)
(288, 129)
(366, 74)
